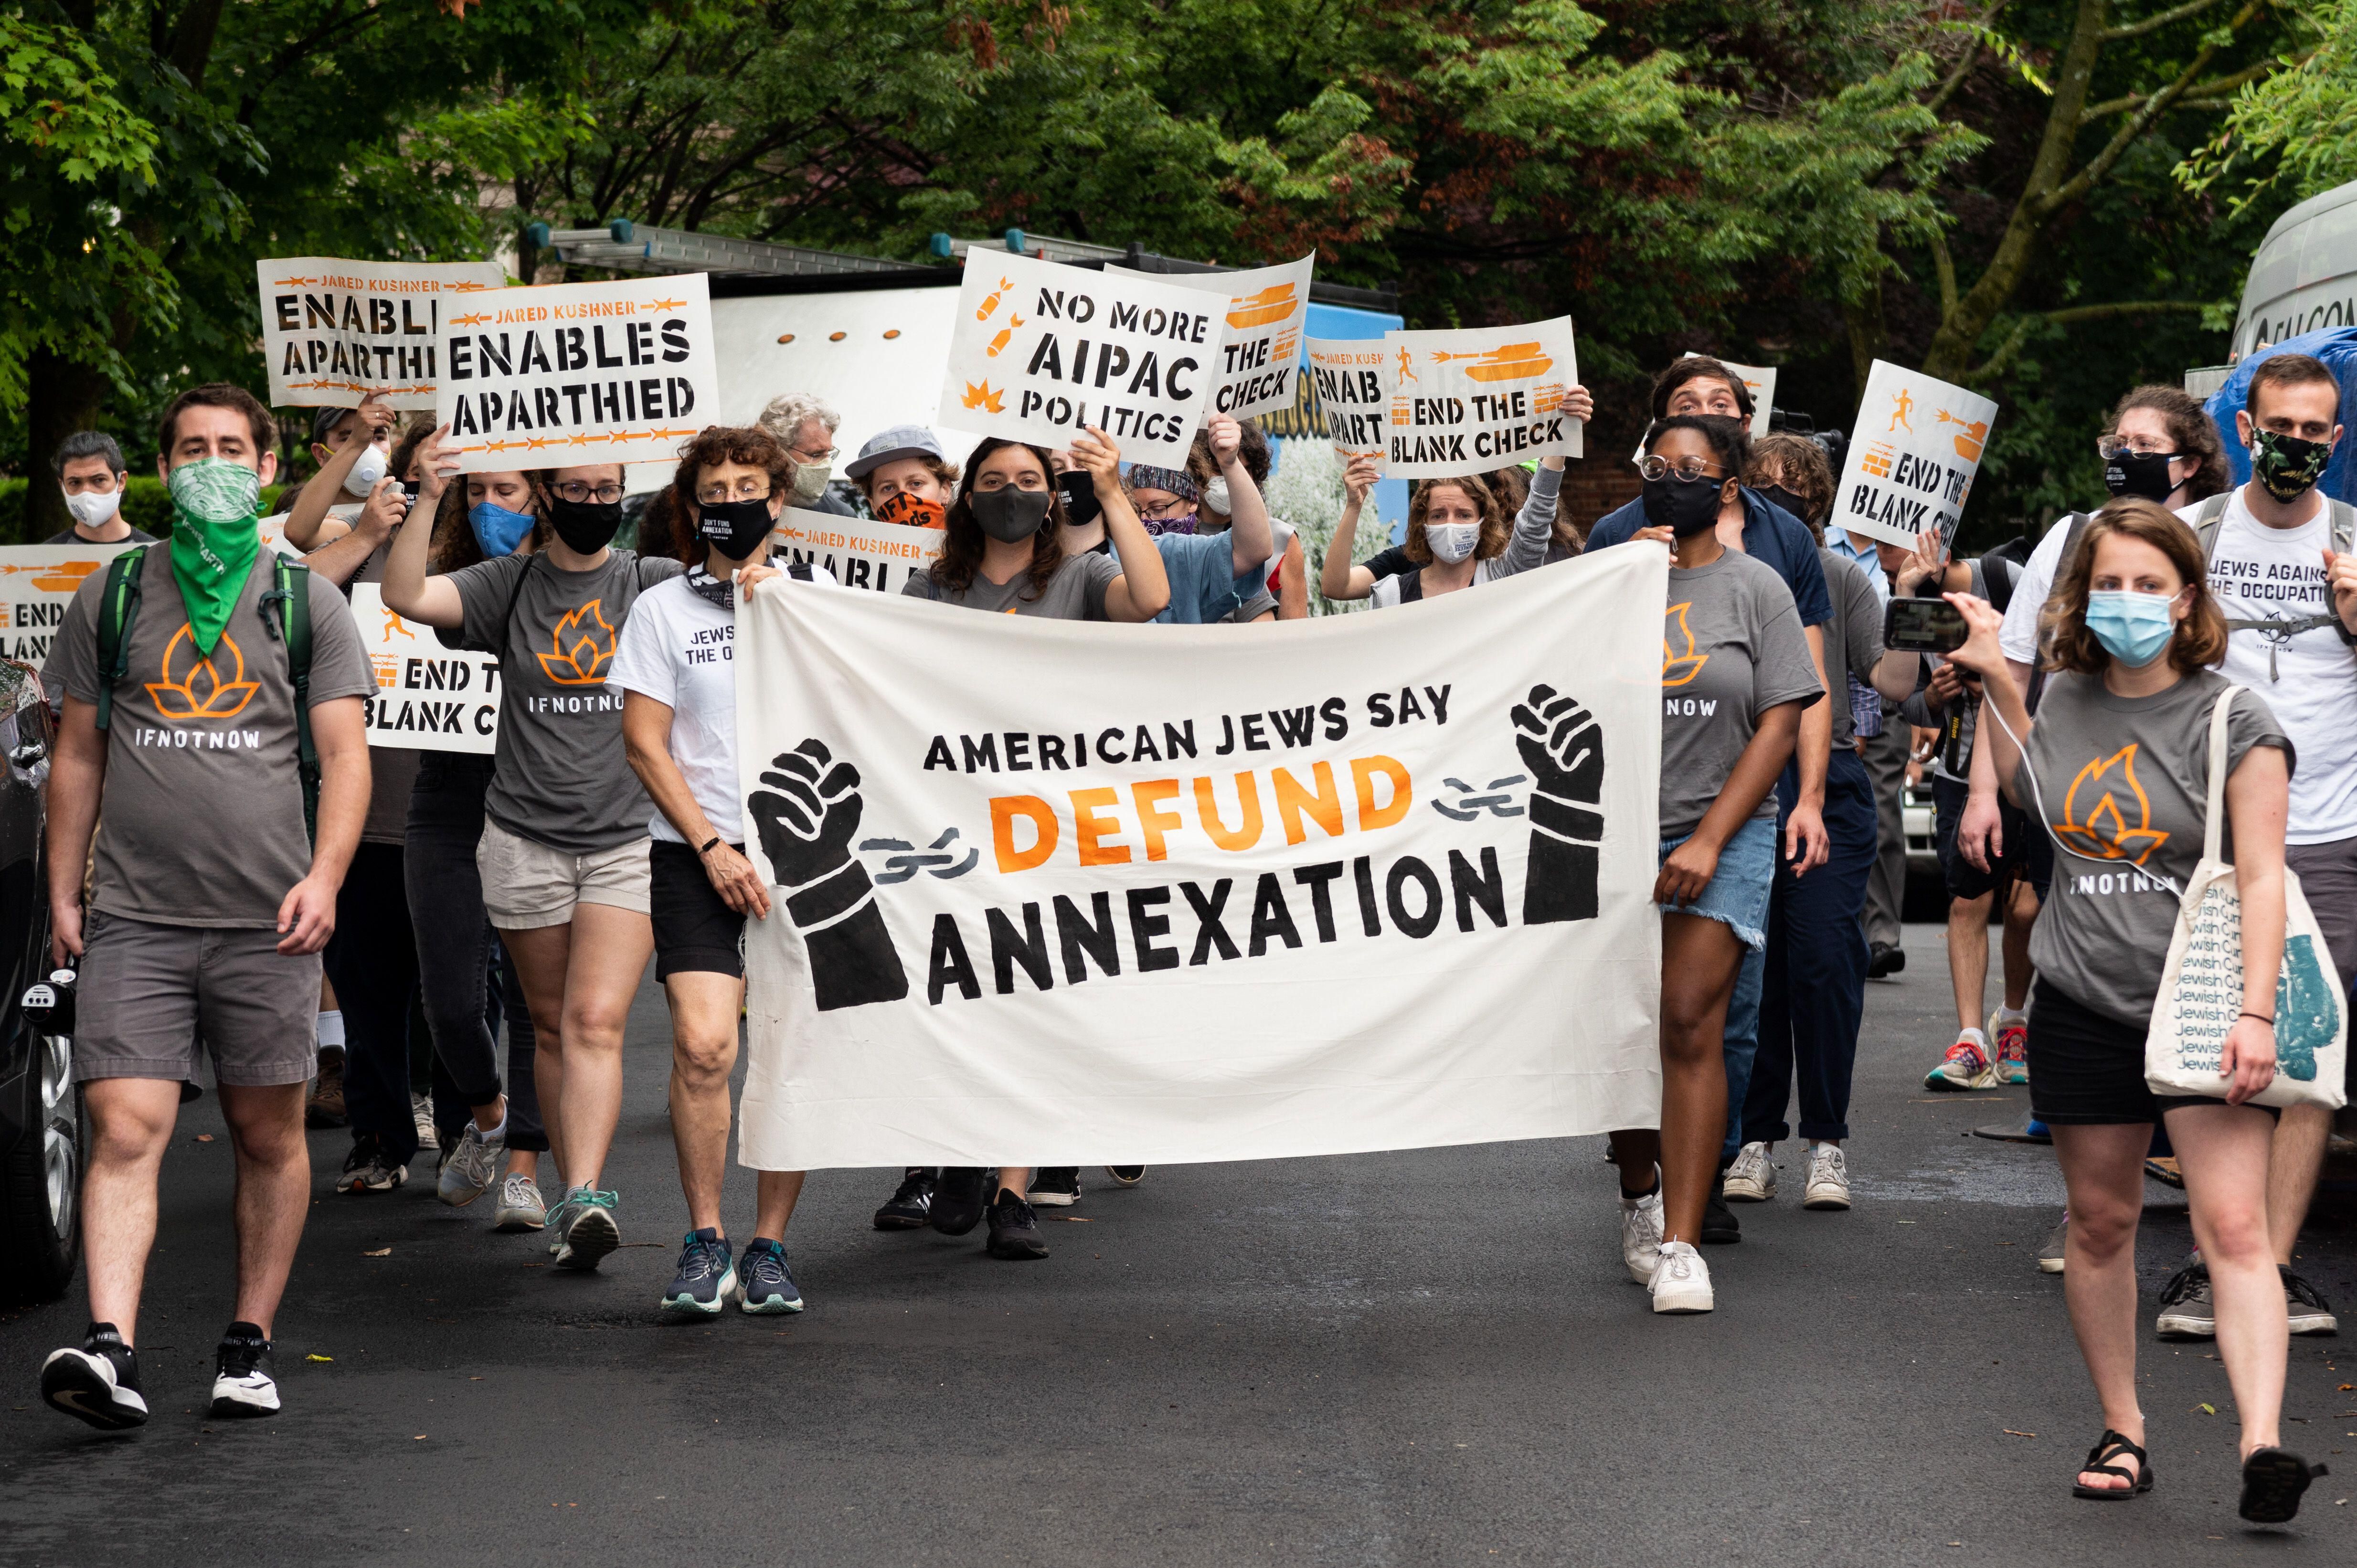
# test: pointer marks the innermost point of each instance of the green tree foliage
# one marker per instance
(2294, 132)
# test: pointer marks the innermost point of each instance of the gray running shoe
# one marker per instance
(585, 1228)
(472, 1166)
(2050, 1251)
(368, 1168)
(2186, 1310)
(521, 1208)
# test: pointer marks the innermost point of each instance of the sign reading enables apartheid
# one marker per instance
(428, 697)
(580, 372)
(1912, 455)
(1041, 349)
(1260, 346)
(1478, 399)
(1390, 891)
(334, 330)
(1353, 379)
(859, 552)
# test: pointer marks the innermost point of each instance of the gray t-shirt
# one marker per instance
(1077, 591)
(2122, 783)
(1853, 638)
(1732, 649)
(561, 779)
(200, 819)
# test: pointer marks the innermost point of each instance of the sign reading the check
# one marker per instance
(580, 372)
(1261, 333)
(1469, 402)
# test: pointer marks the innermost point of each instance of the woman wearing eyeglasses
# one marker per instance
(563, 852)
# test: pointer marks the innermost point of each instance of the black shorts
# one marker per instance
(2027, 851)
(2087, 1070)
(695, 931)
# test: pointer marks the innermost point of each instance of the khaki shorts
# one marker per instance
(527, 885)
(154, 1000)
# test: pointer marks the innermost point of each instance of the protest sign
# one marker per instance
(1911, 456)
(428, 697)
(1352, 381)
(1390, 890)
(861, 554)
(332, 329)
(1760, 380)
(1262, 326)
(580, 372)
(1041, 349)
(1470, 401)
(36, 583)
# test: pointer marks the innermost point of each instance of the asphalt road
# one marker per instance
(1428, 1357)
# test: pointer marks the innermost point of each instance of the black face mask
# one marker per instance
(1009, 515)
(1685, 507)
(2142, 474)
(585, 527)
(1080, 491)
(737, 529)
(1777, 495)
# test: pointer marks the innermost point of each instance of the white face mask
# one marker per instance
(1215, 498)
(93, 508)
(1452, 541)
(367, 469)
(810, 480)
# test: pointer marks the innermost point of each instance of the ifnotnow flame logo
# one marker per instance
(577, 657)
(201, 693)
(1677, 669)
(2095, 822)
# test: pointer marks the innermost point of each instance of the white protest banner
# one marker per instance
(333, 329)
(1352, 379)
(859, 552)
(1042, 348)
(1262, 326)
(1760, 380)
(36, 583)
(1390, 890)
(428, 697)
(1912, 454)
(580, 372)
(1477, 399)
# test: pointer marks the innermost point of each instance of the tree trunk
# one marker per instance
(62, 397)
(1867, 334)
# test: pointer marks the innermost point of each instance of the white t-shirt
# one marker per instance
(2310, 680)
(679, 648)
(2018, 638)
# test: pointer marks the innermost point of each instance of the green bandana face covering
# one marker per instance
(214, 540)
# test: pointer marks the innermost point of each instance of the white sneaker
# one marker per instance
(1641, 1234)
(1828, 1183)
(472, 1166)
(1751, 1178)
(521, 1207)
(1681, 1282)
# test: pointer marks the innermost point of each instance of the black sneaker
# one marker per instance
(767, 1284)
(368, 1168)
(1718, 1222)
(2305, 1305)
(1015, 1229)
(957, 1199)
(243, 1385)
(1058, 1187)
(1128, 1175)
(1884, 960)
(911, 1203)
(97, 1383)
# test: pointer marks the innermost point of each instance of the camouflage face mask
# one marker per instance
(2287, 467)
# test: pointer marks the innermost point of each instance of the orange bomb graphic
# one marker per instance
(1006, 336)
(985, 398)
(576, 655)
(990, 307)
(1512, 363)
(1970, 438)
(1272, 303)
(200, 692)
(1677, 669)
(2095, 824)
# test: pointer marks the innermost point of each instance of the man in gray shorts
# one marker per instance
(209, 903)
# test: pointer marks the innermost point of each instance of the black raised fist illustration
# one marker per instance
(1563, 746)
(806, 819)
(808, 814)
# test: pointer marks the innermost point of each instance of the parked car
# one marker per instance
(41, 1125)
(1926, 896)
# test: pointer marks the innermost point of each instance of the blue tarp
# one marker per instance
(2337, 347)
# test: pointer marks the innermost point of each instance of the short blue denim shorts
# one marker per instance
(1739, 889)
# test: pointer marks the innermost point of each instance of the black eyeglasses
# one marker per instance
(1690, 469)
(578, 490)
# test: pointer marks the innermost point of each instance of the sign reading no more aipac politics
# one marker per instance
(1472, 401)
(333, 331)
(1912, 455)
(586, 372)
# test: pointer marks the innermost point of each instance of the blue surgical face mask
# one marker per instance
(498, 530)
(2133, 628)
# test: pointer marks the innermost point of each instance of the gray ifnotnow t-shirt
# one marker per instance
(1077, 591)
(201, 822)
(1853, 638)
(1732, 649)
(2123, 784)
(561, 779)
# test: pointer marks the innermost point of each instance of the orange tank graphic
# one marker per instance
(63, 578)
(1512, 363)
(1273, 303)
(200, 692)
(1970, 438)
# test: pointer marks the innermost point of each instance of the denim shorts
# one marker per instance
(1739, 889)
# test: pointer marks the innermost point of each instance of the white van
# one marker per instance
(2304, 275)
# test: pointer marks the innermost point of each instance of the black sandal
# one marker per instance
(2111, 1445)
(2273, 1480)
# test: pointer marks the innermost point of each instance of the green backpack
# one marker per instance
(290, 595)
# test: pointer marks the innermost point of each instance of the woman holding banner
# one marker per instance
(1736, 674)
(1004, 551)
(563, 851)
(1458, 536)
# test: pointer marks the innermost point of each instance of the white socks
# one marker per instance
(331, 1030)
